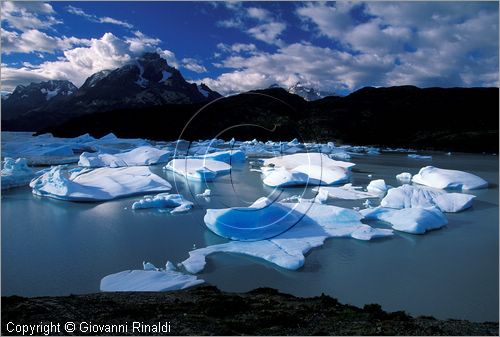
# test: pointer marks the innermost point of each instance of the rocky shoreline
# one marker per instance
(206, 310)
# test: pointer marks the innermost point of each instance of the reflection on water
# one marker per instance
(52, 247)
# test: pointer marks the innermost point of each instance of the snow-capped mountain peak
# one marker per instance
(308, 92)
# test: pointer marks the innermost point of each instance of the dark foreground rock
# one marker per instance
(208, 311)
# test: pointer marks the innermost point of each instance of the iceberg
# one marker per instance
(346, 192)
(408, 196)
(97, 184)
(304, 175)
(304, 169)
(409, 220)
(317, 222)
(229, 156)
(149, 279)
(15, 173)
(164, 200)
(404, 177)
(377, 187)
(141, 156)
(205, 194)
(261, 220)
(417, 156)
(198, 169)
(318, 159)
(448, 179)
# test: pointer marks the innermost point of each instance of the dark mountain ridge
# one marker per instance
(145, 82)
(450, 119)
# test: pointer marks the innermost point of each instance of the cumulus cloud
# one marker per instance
(268, 30)
(23, 15)
(237, 47)
(94, 18)
(259, 14)
(193, 65)
(331, 20)
(107, 52)
(32, 41)
(325, 68)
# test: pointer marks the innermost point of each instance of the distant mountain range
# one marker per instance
(150, 99)
(454, 119)
(305, 91)
(148, 81)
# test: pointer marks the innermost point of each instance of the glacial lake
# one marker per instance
(52, 247)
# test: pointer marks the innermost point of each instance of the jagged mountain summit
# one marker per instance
(147, 81)
(308, 92)
(36, 95)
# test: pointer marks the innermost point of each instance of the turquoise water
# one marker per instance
(52, 247)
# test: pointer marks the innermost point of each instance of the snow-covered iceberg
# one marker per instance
(409, 220)
(97, 184)
(377, 187)
(346, 192)
(317, 223)
(198, 169)
(15, 173)
(164, 200)
(418, 156)
(408, 196)
(304, 168)
(149, 279)
(228, 156)
(292, 161)
(143, 155)
(262, 220)
(448, 179)
(404, 177)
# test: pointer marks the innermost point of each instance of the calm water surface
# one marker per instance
(52, 247)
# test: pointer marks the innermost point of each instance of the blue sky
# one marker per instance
(239, 46)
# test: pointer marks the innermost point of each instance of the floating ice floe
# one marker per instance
(97, 184)
(149, 279)
(404, 177)
(262, 220)
(316, 223)
(409, 220)
(205, 194)
(418, 156)
(304, 174)
(164, 200)
(346, 192)
(229, 156)
(304, 168)
(292, 161)
(15, 173)
(448, 179)
(198, 169)
(377, 187)
(340, 155)
(408, 196)
(141, 156)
